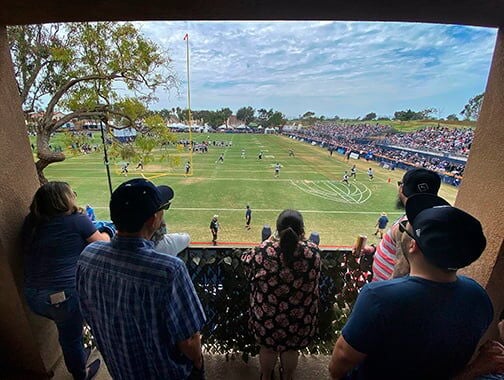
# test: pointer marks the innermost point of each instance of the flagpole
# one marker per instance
(186, 38)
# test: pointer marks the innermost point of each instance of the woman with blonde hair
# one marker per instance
(284, 274)
(54, 234)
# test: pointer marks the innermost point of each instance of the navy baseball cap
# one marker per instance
(135, 201)
(420, 180)
(448, 237)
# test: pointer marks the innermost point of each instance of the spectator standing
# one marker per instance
(141, 304)
(426, 325)
(381, 224)
(54, 234)
(388, 259)
(284, 274)
(214, 228)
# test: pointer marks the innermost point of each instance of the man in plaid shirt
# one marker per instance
(141, 304)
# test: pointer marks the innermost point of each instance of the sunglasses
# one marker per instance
(399, 183)
(403, 228)
(165, 206)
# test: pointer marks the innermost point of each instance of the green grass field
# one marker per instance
(309, 182)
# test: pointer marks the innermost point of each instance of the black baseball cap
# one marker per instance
(420, 180)
(448, 237)
(135, 201)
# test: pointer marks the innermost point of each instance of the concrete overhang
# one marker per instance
(489, 13)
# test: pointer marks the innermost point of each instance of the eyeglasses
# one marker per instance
(404, 229)
(399, 183)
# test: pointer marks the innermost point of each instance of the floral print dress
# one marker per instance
(283, 299)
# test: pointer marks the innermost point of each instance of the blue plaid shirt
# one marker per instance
(139, 304)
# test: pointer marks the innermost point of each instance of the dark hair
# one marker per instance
(290, 228)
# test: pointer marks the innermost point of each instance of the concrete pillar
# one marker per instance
(28, 344)
(482, 190)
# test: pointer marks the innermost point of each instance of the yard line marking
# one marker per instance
(344, 212)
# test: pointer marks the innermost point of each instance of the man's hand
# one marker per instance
(368, 250)
(192, 349)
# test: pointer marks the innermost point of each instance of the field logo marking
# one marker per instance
(336, 191)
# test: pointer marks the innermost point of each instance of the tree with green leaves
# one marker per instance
(472, 109)
(77, 69)
(452, 117)
(276, 119)
(245, 114)
(408, 115)
(369, 116)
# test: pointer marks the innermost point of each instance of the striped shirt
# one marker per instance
(385, 255)
(139, 303)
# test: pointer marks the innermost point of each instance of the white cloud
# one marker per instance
(343, 68)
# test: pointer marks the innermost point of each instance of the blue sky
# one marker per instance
(330, 68)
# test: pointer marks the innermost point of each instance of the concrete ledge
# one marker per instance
(217, 368)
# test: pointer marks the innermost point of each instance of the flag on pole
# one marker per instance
(186, 36)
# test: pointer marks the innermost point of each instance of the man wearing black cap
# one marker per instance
(141, 304)
(426, 325)
(388, 259)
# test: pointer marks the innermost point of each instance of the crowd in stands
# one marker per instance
(435, 163)
(421, 148)
(455, 141)
(346, 131)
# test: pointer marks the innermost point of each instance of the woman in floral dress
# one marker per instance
(284, 274)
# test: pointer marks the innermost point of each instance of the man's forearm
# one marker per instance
(343, 359)
(192, 349)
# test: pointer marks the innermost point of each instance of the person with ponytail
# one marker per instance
(284, 274)
(54, 234)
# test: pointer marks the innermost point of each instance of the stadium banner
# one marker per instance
(354, 155)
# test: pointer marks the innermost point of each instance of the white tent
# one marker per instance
(125, 132)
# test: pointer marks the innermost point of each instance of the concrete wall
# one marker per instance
(482, 190)
(29, 343)
(21, 348)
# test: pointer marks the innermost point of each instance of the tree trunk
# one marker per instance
(44, 153)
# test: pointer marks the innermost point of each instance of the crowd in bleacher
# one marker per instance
(455, 141)
(429, 148)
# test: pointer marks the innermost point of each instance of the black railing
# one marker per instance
(219, 278)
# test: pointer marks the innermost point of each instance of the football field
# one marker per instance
(309, 181)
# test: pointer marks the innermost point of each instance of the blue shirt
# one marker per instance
(52, 250)
(139, 303)
(412, 328)
(382, 222)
